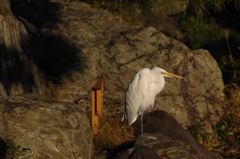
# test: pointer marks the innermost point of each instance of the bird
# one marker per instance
(141, 93)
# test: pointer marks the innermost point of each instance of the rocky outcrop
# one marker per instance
(81, 43)
(19, 45)
(110, 48)
(84, 43)
(165, 137)
(45, 128)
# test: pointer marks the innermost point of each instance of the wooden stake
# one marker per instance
(97, 103)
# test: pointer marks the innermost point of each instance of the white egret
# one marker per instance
(141, 93)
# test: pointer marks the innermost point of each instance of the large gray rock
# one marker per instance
(19, 45)
(110, 48)
(45, 128)
(85, 43)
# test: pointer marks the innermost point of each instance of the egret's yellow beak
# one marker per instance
(172, 75)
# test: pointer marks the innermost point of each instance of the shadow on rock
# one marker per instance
(58, 54)
(142, 152)
(121, 148)
(3, 149)
(40, 13)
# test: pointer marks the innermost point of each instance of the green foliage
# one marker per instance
(223, 135)
(194, 130)
(208, 33)
(222, 128)
(206, 140)
(199, 33)
(202, 8)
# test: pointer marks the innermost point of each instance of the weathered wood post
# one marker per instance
(97, 103)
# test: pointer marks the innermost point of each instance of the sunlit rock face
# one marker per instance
(45, 128)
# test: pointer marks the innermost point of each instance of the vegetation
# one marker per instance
(199, 32)
(205, 7)
(112, 132)
(130, 10)
(223, 43)
(225, 138)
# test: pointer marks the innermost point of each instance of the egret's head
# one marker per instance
(164, 73)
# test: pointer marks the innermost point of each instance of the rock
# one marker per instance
(19, 44)
(169, 17)
(138, 153)
(164, 136)
(117, 51)
(86, 43)
(45, 128)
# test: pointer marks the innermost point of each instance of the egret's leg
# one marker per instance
(142, 129)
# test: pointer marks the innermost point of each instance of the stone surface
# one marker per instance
(85, 43)
(45, 127)
(164, 136)
(138, 153)
(19, 45)
(114, 50)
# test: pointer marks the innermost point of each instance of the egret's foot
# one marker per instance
(152, 137)
(130, 150)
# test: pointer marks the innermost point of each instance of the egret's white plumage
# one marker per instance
(142, 90)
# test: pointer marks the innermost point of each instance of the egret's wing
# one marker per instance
(136, 94)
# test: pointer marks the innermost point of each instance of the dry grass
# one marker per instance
(112, 132)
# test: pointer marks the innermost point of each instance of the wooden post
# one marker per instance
(97, 103)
